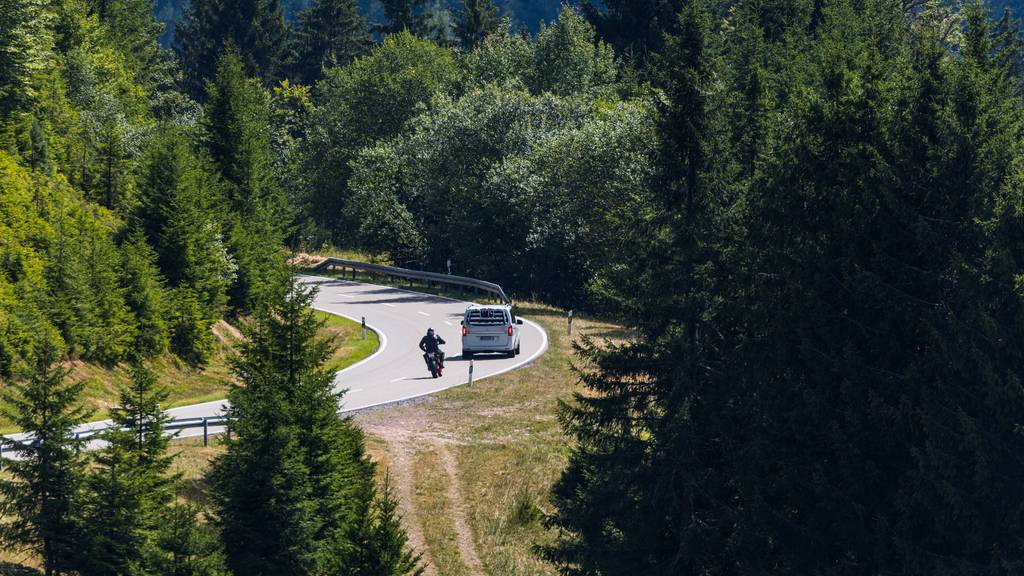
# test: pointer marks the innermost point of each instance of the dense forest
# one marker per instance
(808, 213)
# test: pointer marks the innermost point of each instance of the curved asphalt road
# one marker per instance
(396, 371)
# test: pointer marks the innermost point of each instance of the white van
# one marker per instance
(491, 328)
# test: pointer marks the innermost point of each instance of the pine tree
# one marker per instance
(40, 493)
(129, 486)
(475, 21)
(329, 33)
(826, 379)
(404, 15)
(255, 29)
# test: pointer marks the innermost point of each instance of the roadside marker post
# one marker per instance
(470, 372)
(206, 432)
(364, 327)
(570, 322)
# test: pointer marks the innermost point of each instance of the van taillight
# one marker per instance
(509, 330)
(464, 331)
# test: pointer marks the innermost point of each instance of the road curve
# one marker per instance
(396, 371)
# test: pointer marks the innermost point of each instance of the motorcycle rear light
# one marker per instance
(464, 331)
(509, 330)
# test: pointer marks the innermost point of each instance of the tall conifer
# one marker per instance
(329, 33)
(41, 491)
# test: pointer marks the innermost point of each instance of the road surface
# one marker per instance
(396, 371)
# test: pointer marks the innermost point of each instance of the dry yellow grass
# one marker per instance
(505, 448)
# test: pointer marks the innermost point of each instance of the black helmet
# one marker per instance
(430, 331)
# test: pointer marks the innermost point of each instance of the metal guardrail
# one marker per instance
(169, 426)
(397, 272)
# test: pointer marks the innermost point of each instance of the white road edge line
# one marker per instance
(448, 323)
(423, 313)
(389, 305)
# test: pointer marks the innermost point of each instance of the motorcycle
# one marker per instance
(435, 363)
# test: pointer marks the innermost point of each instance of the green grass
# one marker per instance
(194, 386)
(351, 346)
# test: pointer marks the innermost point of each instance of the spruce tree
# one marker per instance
(475, 21)
(129, 487)
(255, 29)
(634, 435)
(238, 129)
(383, 548)
(329, 33)
(146, 296)
(260, 487)
(290, 457)
(340, 472)
(25, 42)
(186, 546)
(404, 15)
(181, 197)
(825, 386)
(41, 491)
(636, 28)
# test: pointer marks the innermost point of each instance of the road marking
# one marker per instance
(424, 313)
(355, 390)
(346, 295)
(448, 323)
(389, 305)
(399, 379)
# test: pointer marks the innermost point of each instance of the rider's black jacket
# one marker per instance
(429, 343)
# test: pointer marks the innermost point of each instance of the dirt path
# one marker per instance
(464, 536)
(401, 473)
(405, 437)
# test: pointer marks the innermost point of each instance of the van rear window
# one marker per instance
(486, 317)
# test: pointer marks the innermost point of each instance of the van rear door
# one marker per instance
(486, 328)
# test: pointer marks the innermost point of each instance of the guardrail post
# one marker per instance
(364, 327)
(206, 432)
(470, 371)
(570, 322)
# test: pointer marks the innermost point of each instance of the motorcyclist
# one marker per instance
(430, 344)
